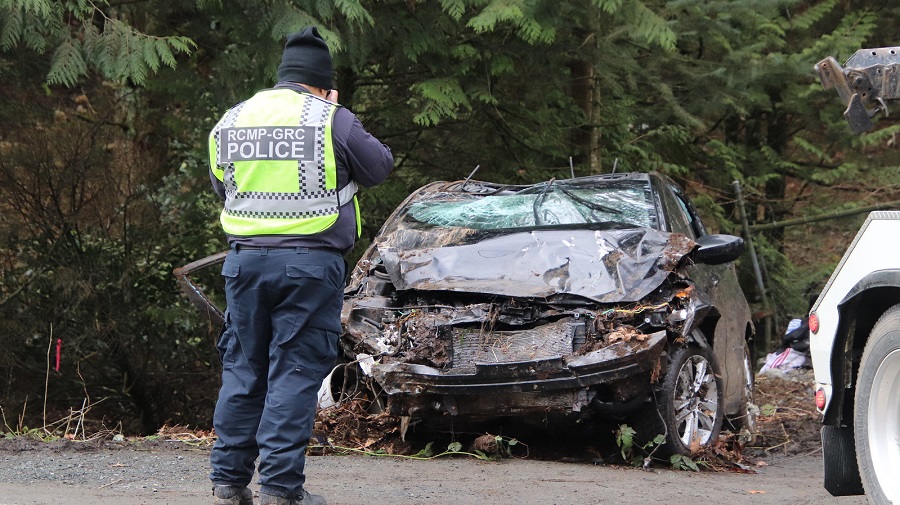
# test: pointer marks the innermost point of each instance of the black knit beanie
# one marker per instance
(306, 59)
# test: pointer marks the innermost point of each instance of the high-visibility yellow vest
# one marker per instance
(275, 156)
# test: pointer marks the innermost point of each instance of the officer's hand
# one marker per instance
(332, 95)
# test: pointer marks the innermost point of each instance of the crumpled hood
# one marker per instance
(606, 266)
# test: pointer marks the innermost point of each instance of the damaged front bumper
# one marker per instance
(614, 362)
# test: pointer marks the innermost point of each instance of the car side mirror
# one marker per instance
(718, 249)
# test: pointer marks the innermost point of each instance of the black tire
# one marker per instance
(876, 413)
(687, 403)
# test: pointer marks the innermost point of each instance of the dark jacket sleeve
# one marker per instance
(217, 185)
(368, 161)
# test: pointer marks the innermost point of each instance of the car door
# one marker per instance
(720, 283)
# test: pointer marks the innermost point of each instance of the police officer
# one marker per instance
(287, 162)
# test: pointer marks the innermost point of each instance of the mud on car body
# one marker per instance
(600, 295)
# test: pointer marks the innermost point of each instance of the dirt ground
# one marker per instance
(788, 425)
(782, 466)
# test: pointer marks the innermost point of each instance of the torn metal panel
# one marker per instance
(604, 266)
(196, 294)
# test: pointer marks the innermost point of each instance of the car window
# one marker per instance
(545, 206)
(688, 215)
(677, 215)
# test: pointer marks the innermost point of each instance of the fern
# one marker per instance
(442, 99)
(502, 64)
(10, 29)
(21, 27)
(609, 6)
(354, 12)
(810, 148)
(117, 52)
(41, 8)
(454, 8)
(812, 15)
(66, 65)
(495, 13)
(532, 31)
(850, 35)
(647, 25)
(887, 135)
(151, 56)
(521, 15)
(286, 19)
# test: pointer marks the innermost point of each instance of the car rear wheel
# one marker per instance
(688, 402)
(875, 420)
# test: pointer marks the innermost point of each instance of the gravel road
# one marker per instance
(39, 474)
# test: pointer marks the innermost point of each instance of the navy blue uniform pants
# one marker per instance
(280, 340)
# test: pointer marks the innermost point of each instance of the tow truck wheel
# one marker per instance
(875, 418)
(688, 402)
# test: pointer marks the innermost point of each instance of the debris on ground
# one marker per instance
(487, 444)
(788, 423)
(726, 455)
(350, 426)
(201, 438)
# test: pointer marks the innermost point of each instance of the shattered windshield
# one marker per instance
(625, 204)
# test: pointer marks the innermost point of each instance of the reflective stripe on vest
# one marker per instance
(278, 163)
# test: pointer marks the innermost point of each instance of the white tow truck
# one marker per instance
(855, 322)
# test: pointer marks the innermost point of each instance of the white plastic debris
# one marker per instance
(366, 362)
(326, 399)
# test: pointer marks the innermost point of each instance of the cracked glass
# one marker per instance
(542, 206)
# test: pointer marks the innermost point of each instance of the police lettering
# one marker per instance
(266, 143)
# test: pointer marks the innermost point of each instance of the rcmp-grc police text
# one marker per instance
(266, 143)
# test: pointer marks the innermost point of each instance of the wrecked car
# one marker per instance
(599, 295)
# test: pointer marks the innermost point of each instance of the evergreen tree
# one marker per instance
(104, 186)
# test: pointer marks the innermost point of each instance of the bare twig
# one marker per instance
(3, 414)
(81, 420)
(22, 415)
(111, 483)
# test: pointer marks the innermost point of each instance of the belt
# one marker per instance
(242, 247)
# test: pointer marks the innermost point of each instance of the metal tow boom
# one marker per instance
(865, 83)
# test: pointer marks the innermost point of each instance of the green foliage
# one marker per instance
(625, 440)
(805, 20)
(638, 455)
(609, 6)
(354, 12)
(682, 462)
(427, 452)
(504, 445)
(707, 91)
(66, 65)
(454, 8)
(526, 16)
(649, 26)
(642, 456)
(112, 47)
(442, 98)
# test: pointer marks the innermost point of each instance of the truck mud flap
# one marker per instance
(841, 470)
